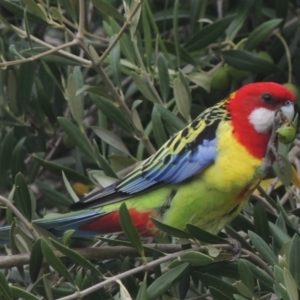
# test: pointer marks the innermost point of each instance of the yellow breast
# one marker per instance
(235, 168)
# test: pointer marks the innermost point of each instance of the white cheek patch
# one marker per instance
(262, 119)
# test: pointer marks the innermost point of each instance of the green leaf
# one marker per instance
(243, 289)
(69, 189)
(283, 169)
(246, 275)
(20, 293)
(293, 258)
(201, 79)
(248, 61)
(158, 128)
(114, 58)
(4, 288)
(261, 222)
(102, 162)
(170, 230)
(19, 11)
(163, 76)
(36, 261)
(57, 169)
(280, 284)
(47, 287)
(55, 262)
(217, 294)
(263, 248)
(278, 234)
(76, 257)
(17, 162)
(182, 97)
(260, 274)
(208, 34)
(144, 87)
(111, 111)
(290, 285)
(27, 73)
(129, 229)
(7, 143)
(74, 100)
(111, 139)
(22, 197)
(142, 294)
(107, 9)
(36, 9)
(204, 236)
(12, 92)
(170, 117)
(165, 281)
(77, 136)
(260, 33)
(196, 258)
(241, 13)
(212, 281)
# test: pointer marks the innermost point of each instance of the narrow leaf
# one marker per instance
(55, 262)
(143, 86)
(170, 117)
(248, 61)
(170, 230)
(36, 261)
(129, 229)
(163, 75)
(76, 257)
(165, 281)
(196, 258)
(208, 34)
(77, 136)
(204, 236)
(290, 285)
(57, 169)
(260, 33)
(74, 100)
(111, 139)
(4, 288)
(22, 197)
(263, 248)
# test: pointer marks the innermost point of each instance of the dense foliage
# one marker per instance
(89, 88)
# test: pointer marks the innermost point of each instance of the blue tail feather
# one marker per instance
(58, 225)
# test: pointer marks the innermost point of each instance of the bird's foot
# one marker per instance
(236, 249)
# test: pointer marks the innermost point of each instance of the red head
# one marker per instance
(252, 109)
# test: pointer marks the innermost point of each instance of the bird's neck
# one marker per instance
(256, 143)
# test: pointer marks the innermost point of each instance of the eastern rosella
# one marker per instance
(203, 175)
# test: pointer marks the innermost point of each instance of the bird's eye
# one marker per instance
(268, 99)
(288, 102)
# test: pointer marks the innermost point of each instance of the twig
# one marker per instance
(118, 36)
(38, 56)
(258, 261)
(113, 279)
(288, 55)
(23, 34)
(18, 214)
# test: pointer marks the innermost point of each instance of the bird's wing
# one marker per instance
(187, 153)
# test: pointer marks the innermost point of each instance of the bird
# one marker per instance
(203, 175)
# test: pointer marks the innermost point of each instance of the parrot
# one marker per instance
(203, 175)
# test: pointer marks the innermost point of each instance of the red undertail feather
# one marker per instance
(110, 223)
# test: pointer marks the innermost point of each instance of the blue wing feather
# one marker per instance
(179, 167)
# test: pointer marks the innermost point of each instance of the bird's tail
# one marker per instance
(59, 223)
